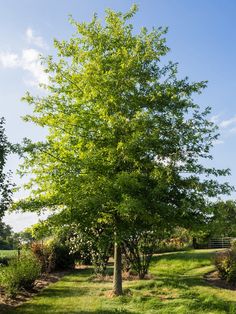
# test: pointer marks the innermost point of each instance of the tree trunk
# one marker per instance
(195, 245)
(117, 276)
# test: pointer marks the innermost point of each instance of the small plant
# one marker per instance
(223, 263)
(226, 264)
(20, 273)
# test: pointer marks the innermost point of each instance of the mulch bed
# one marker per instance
(125, 276)
(214, 280)
(7, 302)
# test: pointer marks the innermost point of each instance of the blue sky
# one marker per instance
(201, 36)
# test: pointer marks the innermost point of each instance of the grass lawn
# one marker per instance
(177, 286)
(8, 253)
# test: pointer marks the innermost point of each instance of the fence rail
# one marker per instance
(220, 243)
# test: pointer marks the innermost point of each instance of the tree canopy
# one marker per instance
(125, 139)
(223, 221)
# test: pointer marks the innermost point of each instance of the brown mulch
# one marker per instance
(214, 280)
(125, 276)
(8, 302)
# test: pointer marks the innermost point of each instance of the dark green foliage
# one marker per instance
(63, 258)
(223, 220)
(5, 185)
(20, 273)
(8, 239)
(53, 255)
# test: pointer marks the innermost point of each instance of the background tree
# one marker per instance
(6, 237)
(125, 138)
(5, 185)
(223, 221)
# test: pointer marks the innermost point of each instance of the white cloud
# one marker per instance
(8, 59)
(20, 221)
(28, 61)
(226, 123)
(35, 40)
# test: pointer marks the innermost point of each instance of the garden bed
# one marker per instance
(46, 279)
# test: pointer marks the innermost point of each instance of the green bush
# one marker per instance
(20, 274)
(226, 265)
(223, 263)
(53, 255)
(62, 257)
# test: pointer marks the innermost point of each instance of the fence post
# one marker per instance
(18, 253)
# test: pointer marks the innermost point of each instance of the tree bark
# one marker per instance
(117, 276)
(195, 245)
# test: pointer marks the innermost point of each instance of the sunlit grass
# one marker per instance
(176, 286)
(8, 253)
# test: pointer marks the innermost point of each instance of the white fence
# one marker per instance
(220, 243)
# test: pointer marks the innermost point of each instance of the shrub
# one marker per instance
(226, 264)
(233, 245)
(62, 257)
(92, 246)
(138, 251)
(20, 274)
(231, 276)
(44, 253)
(223, 263)
(53, 255)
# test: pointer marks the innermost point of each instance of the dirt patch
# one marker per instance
(6, 302)
(125, 277)
(214, 280)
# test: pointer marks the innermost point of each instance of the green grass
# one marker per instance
(8, 253)
(177, 286)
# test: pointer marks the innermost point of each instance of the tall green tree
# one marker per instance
(223, 221)
(125, 137)
(5, 184)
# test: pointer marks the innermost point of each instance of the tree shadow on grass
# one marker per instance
(82, 275)
(4, 308)
(182, 296)
(65, 292)
(48, 309)
(184, 255)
